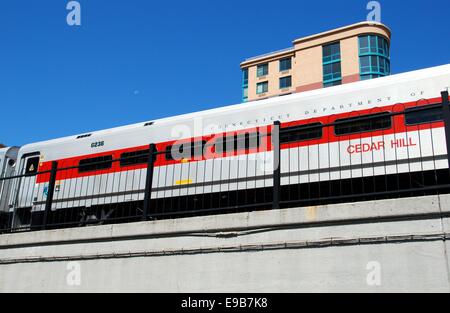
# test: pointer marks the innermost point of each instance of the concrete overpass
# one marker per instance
(378, 246)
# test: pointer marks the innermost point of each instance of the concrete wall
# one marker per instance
(379, 246)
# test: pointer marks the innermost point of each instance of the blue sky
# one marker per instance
(138, 60)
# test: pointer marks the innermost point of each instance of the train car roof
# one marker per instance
(367, 84)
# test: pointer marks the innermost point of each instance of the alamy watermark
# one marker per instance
(73, 278)
(74, 15)
(375, 11)
(373, 278)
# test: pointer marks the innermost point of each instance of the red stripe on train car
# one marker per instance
(266, 145)
(398, 126)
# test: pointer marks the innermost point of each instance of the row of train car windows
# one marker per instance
(174, 152)
(221, 145)
(105, 162)
(361, 124)
(229, 144)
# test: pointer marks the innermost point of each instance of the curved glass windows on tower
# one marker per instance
(374, 58)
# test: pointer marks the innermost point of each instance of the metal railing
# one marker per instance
(329, 169)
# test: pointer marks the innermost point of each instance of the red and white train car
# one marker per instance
(323, 139)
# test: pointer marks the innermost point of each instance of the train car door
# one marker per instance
(25, 190)
(3, 162)
(2, 170)
(6, 171)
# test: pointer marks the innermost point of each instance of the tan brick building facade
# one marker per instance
(339, 56)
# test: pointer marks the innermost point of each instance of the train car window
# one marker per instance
(416, 116)
(169, 155)
(226, 144)
(362, 124)
(237, 142)
(95, 164)
(134, 158)
(198, 148)
(32, 166)
(301, 133)
(180, 150)
(252, 141)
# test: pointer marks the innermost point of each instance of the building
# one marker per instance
(340, 56)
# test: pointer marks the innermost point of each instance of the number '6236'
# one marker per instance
(97, 144)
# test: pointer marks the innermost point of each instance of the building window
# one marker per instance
(285, 82)
(332, 73)
(332, 53)
(245, 85)
(262, 70)
(285, 64)
(262, 88)
(245, 94)
(374, 57)
(333, 83)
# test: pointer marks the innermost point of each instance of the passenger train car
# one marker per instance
(323, 138)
